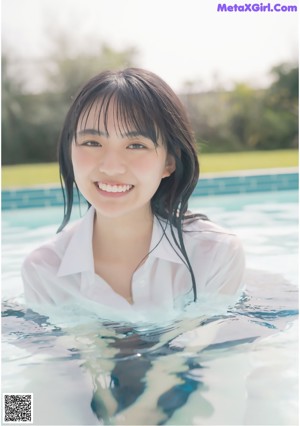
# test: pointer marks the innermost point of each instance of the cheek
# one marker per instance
(80, 161)
(150, 167)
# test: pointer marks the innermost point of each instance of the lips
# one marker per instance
(114, 188)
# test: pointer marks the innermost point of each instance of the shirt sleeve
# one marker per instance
(227, 267)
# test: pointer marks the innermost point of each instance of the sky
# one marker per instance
(180, 40)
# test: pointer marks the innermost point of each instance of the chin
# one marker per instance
(117, 212)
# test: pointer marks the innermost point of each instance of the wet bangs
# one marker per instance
(130, 115)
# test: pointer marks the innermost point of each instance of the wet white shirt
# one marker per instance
(62, 269)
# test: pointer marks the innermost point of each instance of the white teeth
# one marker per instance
(114, 188)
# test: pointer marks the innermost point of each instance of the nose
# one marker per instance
(112, 162)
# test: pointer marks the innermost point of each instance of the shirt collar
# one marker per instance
(163, 245)
(78, 256)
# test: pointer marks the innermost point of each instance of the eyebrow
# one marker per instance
(91, 132)
(131, 134)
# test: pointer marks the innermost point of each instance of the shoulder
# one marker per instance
(217, 245)
(199, 229)
(51, 251)
(40, 268)
(216, 253)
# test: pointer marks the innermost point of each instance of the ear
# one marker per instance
(170, 166)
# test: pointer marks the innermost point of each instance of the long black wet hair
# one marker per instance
(143, 102)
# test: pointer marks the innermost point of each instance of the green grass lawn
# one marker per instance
(41, 174)
(226, 162)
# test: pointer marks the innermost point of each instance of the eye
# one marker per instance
(91, 143)
(136, 146)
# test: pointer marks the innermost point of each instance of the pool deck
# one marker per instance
(209, 184)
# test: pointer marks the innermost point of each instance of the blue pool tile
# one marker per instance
(220, 185)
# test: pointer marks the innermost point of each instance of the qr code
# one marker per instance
(17, 408)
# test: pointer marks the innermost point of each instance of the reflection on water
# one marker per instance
(179, 371)
(209, 365)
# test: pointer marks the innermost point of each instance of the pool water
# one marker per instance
(213, 364)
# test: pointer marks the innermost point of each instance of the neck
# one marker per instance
(120, 247)
(116, 236)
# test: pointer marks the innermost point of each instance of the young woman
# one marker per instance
(127, 146)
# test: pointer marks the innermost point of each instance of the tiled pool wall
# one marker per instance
(207, 186)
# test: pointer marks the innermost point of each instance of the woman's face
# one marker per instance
(117, 173)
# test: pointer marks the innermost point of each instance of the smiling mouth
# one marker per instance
(113, 188)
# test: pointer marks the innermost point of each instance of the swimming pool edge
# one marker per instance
(209, 184)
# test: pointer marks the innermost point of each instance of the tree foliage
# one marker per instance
(237, 120)
(245, 118)
(31, 122)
